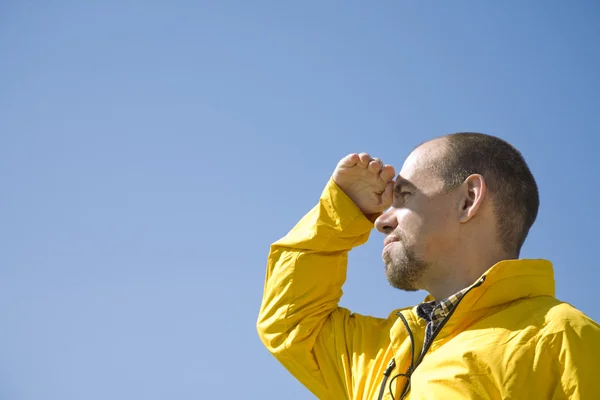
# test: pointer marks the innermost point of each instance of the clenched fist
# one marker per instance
(366, 181)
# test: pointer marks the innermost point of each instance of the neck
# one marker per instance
(453, 277)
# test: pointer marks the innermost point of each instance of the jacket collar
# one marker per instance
(507, 281)
(503, 283)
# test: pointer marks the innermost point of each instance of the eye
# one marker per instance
(400, 194)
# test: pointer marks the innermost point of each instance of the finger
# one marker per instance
(365, 158)
(349, 161)
(387, 173)
(387, 195)
(375, 165)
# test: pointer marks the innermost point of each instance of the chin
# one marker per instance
(405, 272)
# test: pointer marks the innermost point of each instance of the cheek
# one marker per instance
(412, 227)
(440, 227)
(425, 228)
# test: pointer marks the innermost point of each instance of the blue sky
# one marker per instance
(150, 152)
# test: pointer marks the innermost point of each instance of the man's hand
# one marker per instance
(367, 182)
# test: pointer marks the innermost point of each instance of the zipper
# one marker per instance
(411, 369)
(443, 323)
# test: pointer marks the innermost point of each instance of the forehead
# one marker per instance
(417, 167)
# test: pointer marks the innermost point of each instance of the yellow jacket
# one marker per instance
(508, 338)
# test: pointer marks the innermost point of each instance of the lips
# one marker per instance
(390, 239)
(387, 243)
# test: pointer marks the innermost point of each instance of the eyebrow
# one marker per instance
(402, 183)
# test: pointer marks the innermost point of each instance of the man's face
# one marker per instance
(421, 224)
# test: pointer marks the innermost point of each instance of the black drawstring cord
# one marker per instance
(412, 367)
(407, 375)
(409, 370)
(386, 375)
(392, 365)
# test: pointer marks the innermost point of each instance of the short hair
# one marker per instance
(508, 178)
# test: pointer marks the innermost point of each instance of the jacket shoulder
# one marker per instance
(562, 317)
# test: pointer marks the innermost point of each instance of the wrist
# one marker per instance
(372, 217)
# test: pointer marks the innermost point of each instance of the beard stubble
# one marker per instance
(404, 269)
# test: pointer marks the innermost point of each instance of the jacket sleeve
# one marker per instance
(576, 350)
(324, 346)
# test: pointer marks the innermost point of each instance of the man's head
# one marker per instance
(461, 201)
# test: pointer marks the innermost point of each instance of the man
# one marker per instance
(457, 216)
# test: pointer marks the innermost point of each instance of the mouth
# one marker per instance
(388, 241)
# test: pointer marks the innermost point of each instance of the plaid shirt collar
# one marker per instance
(434, 313)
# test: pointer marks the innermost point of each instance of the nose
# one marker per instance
(386, 222)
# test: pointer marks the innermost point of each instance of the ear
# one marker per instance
(473, 192)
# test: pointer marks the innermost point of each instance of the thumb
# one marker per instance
(387, 195)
